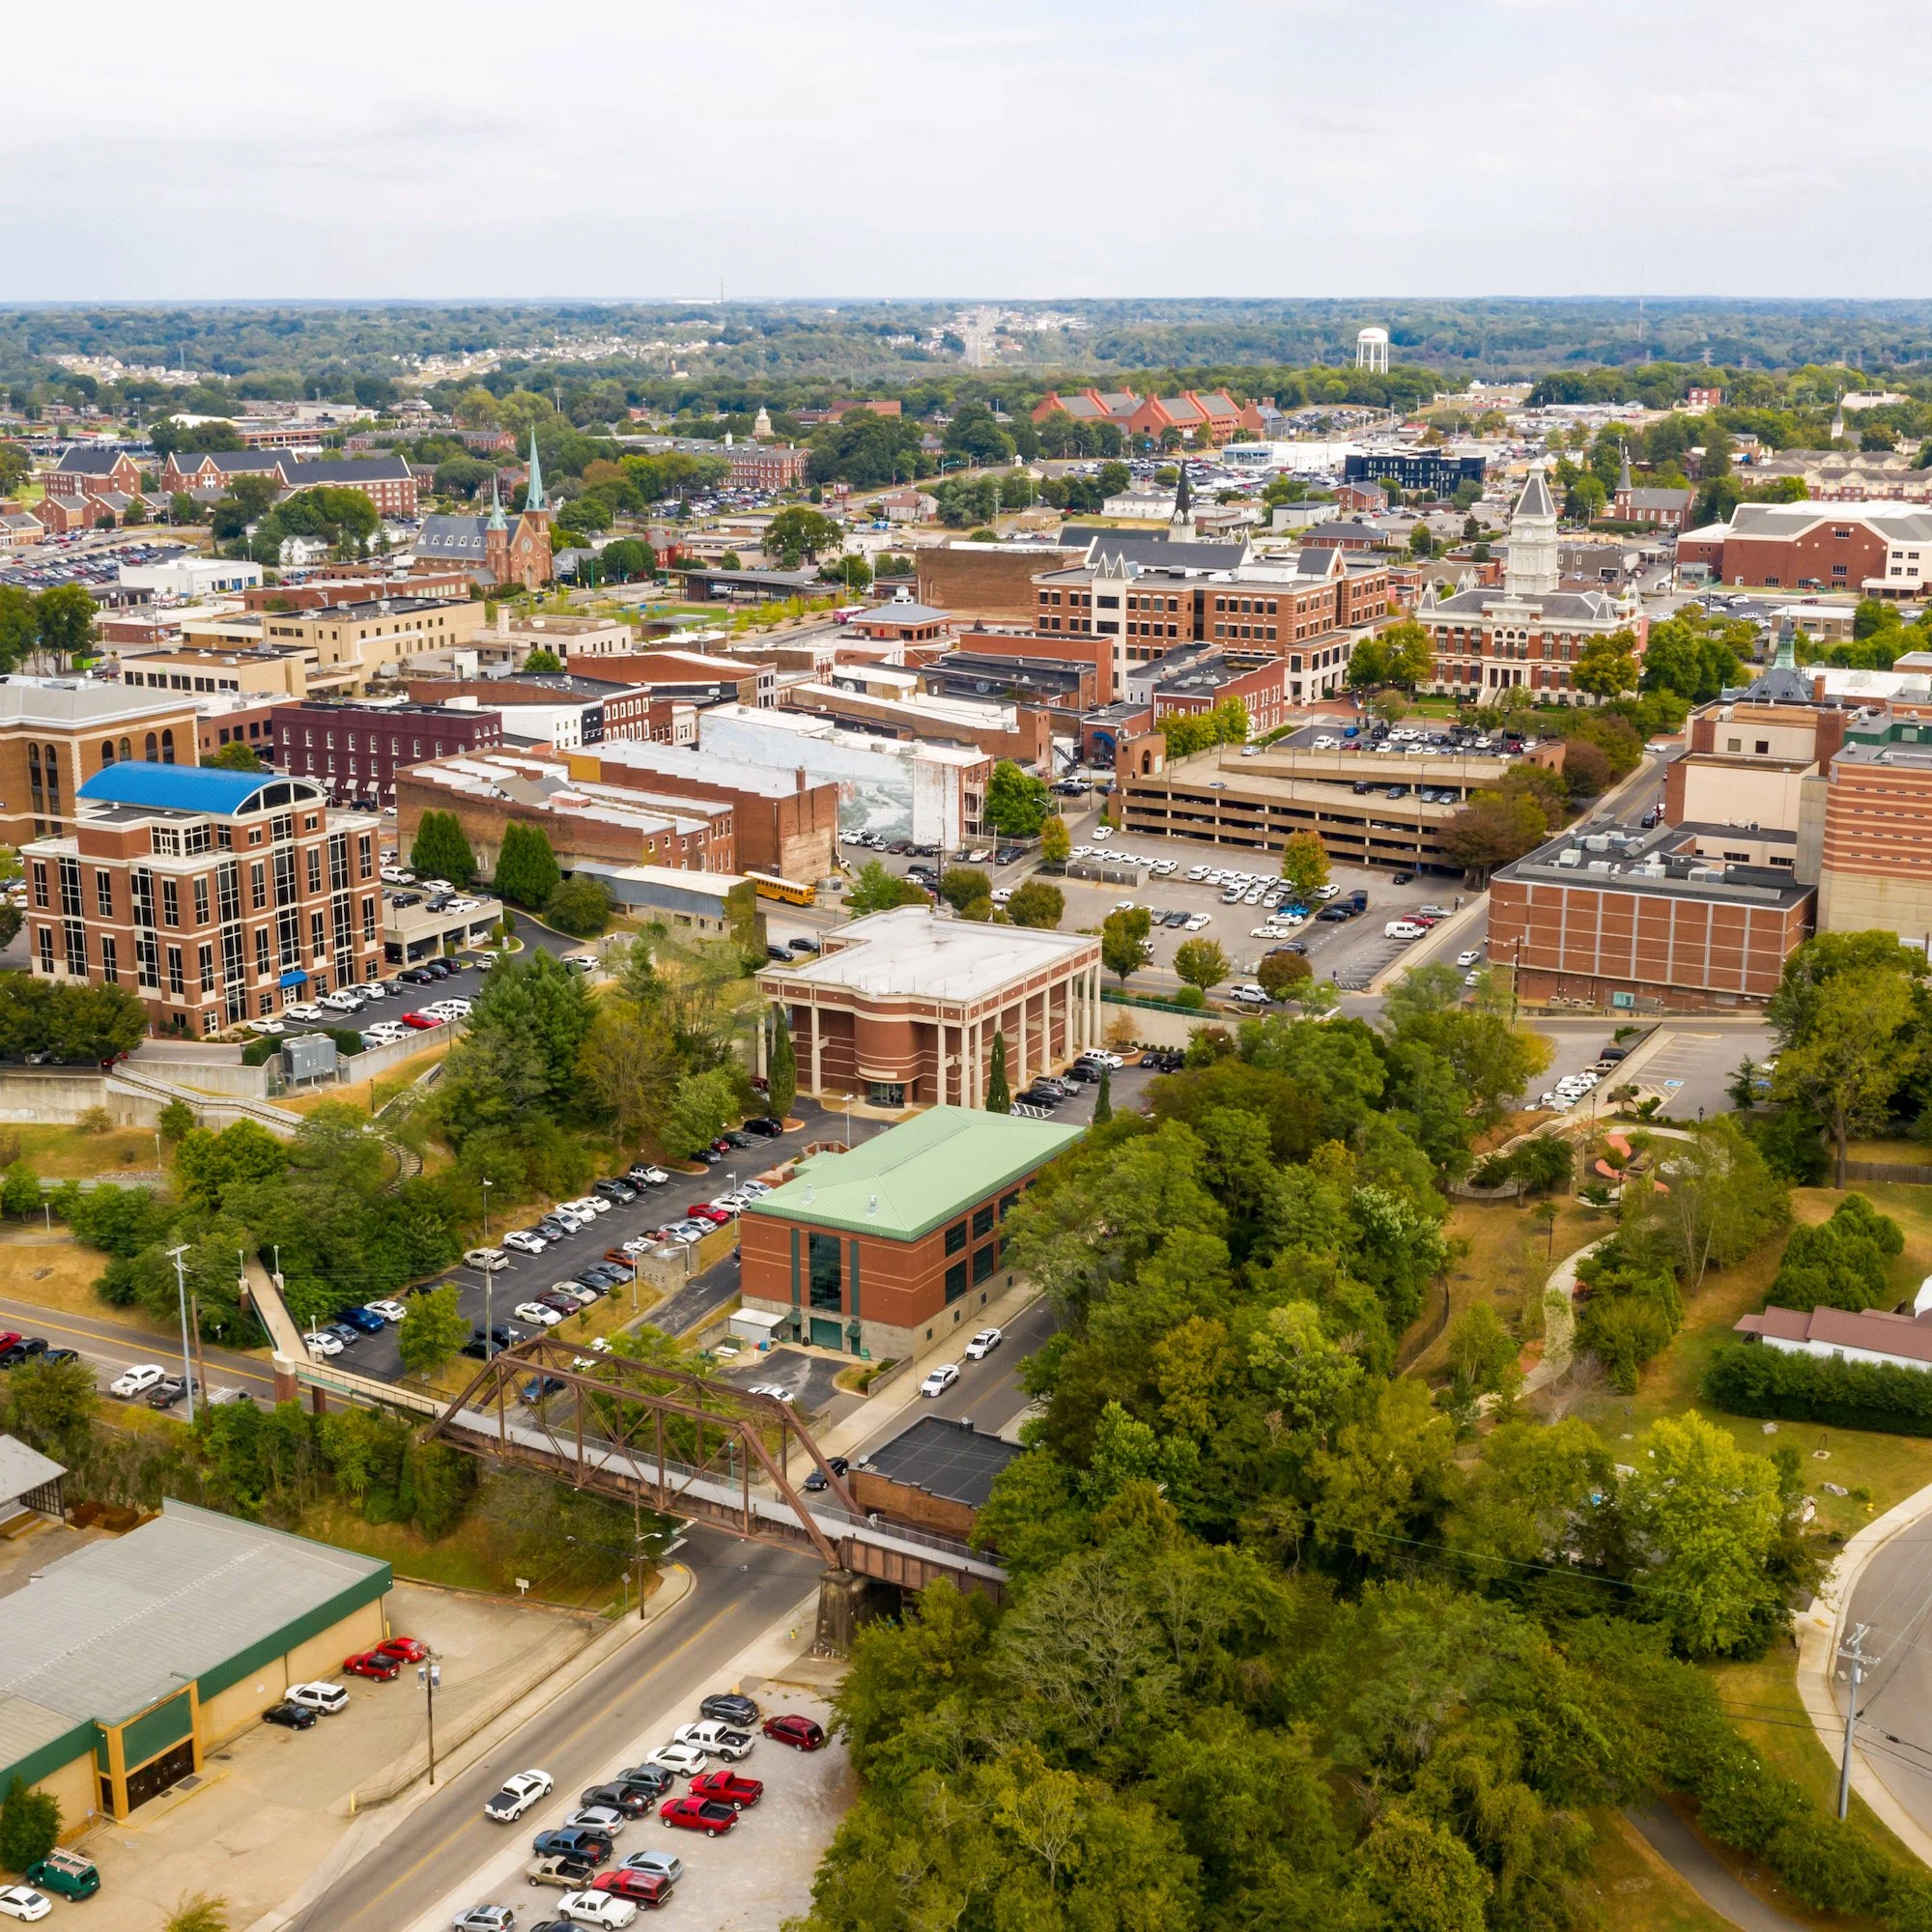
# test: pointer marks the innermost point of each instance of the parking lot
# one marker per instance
(71, 560)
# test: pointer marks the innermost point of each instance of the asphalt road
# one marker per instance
(741, 1590)
(109, 1348)
(1894, 1594)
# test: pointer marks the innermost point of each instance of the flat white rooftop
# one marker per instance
(914, 952)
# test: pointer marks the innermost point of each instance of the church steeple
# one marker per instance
(535, 497)
(494, 521)
(1182, 524)
(1624, 473)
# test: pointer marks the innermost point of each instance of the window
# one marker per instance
(258, 887)
(317, 944)
(984, 1260)
(315, 869)
(75, 936)
(176, 985)
(201, 901)
(955, 1281)
(955, 1238)
(46, 949)
(228, 890)
(167, 748)
(69, 888)
(104, 894)
(982, 1221)
(170, 902)
(147, 960)
(825, 1271)
(207, 964)
(262, 949)
(110, 964)
(1008, 1201)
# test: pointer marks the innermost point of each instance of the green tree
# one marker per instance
(1493, 829)
(18, 626)
(999, 1096)
(432, 1333)
(702, 1107)
(235, 757)
(1103, 1099)
(1414, 1876)
(1121, 933)
(796, 534)
(199, 1913)
(579, 906)
(1851, 1055)
(1304, 863)
(30, 1821)
(1200, 962)
(1056, 842)
(1036, 903)
(526, 869)
(877, 890)
(64, 624)
(1408, 658)
(51, 1407)
(1281, 971)
(19, 1190)
(781, 1065)
(543, 662)
(1606, 666)
(960, 886)
(1016, 802)
(440, 851)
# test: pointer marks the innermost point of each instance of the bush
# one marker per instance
(580, 907)
(1747, 1806)
(29, 1825)
(1792, 1142)
(1840, 1263)
(1749, 1378)
(1828, 1869)
(1189, 996)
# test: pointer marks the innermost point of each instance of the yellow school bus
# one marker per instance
(770, 886)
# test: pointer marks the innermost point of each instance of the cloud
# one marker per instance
(1058, 148)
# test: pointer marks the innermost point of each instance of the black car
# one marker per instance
(710, 1156)
(653, 1780)
(839, 1465)
(442, 968)
(739, 1139)
(292, 1716)
(625, 1798)
(1087, 1076)
(727, 1707)
(539, 1388)
(1403, 878)
(803, 944)
(23, 1351)
(1009, 855)
(1334, 915)
(62, 1355)
(777, 953)
(416, 975)
(1362, 787)
(763, 1127)
(168, 1391)
(1033, 1098)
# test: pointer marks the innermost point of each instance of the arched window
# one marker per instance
(106, 753)
(167, 748)
(33, 779)
(126, 753)
(51, 755)
(154, 755)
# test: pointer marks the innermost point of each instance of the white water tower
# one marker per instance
(1372, 349)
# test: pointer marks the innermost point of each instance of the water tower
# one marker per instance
(1372, 349)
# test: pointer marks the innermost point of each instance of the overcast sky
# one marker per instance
(1021, 148)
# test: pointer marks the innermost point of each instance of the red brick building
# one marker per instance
(354, 750)
(387, 481)
(768, 466)
(1864, 549)
(86, 472)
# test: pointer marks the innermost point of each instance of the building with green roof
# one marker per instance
(884, 1251)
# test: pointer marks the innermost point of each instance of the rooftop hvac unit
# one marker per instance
(1599, 866)
(1706, 872)
(1571, 857)
(1596, 841)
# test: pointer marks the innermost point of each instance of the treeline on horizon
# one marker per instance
(797, 354)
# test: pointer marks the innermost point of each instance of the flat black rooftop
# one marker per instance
(945, 1459)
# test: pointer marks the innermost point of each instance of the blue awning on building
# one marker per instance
(296, 976)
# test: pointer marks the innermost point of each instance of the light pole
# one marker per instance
(429, 1674)
(488, 1282)
(188, 1361)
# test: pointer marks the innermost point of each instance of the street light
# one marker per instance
(187, 1364)
(489, 1281)
(429, 1674)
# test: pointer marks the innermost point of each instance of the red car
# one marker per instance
(618, 1256)
(702, 1210)
(640, 1887)
(404, 1649)
(799, 1733)
(726, 1787)
(372, 1663)
(697, 1814)
(7, 1338)
(422, 1022)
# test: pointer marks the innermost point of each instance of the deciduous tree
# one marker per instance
(1304, 863)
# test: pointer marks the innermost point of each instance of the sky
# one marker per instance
(1018, 149)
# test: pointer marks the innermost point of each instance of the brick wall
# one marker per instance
(987, 582)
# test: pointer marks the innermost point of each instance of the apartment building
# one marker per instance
(1434, 473)
(354, 750)
(1875, 831)
(86, 469)
(57, 732)
(387, 481)
(216, 896)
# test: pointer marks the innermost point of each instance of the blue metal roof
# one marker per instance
(183, 787)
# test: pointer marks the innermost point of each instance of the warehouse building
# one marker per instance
(123, 1665)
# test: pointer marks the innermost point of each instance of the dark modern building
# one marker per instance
(356, 749)
(1427, 470)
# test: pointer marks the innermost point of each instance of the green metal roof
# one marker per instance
(915, 1177)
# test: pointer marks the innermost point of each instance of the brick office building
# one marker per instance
(1876, 833)
(387, 481)
(1864, 549)
(84, 472)
(760, 466)
(354, 750)
(1627, 919)
(217, 896)
(884, 1251)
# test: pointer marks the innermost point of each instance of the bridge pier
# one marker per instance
(287, 1389)
(846, 1601)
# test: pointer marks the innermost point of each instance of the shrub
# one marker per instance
(29, 1825)
(1840, 1263)
(1826, 1865)
(1749, 1378)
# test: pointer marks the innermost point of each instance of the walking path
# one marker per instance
(1697, 1865)
(1559, 1323)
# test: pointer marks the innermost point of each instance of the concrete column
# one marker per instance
(763, 1064)
(975, 1095)
(817, 1083)
(1021, 1077)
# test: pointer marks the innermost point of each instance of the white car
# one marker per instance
(651, 1177)
(519, 1792)
(940, 1379)
(1326, 892)
(322, 1343)
(344, 1002)
(535, 1311)
(1196, 921)
(141, 1377)
(1101, 1057)
(303, 1011)
(597, 1908)
(269, 1029)
(526, 1241)
(320, 1695)
(717, 1740)
(1324, 744)
(683, 1759)
(389, 1311)
(1469, 957)
(1004, 893)
(773, 1390)
(1403, 928)
(488, 1260)
(485, 1919)
(1102, 832)
(588, 1207)
(387, 1032)
(450, 1010)
(570, 1217)
(576, 1291)
(983, 1344)
(22, 1901)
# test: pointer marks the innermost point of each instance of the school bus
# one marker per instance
(770, 886)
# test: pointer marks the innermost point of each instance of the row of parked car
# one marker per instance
(346, 1002)
(575, 1856)
(1050, 1091)
(301, 1704)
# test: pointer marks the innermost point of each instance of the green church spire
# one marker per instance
(534, 498)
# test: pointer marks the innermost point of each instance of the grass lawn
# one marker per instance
(1910, 1154)
(72, 1153)
(374, 1093)
(1635, 1891)
(59, 1275)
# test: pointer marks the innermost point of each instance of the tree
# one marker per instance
(877, 890)
(798, 532)
(1280, 972)
(580, 906)
(1200, 962)
(1586, 499)
(18, 626)
(1304, 863)
(235, 757)
(30, 1823)
(1056, 842)
(1606, 666)
(1408, 658)
(64, 623)
(781, 1067)
(51, 1405)
(1036, 903)
(1415, 1876)
(176, 1122)
(703, 1105)
(1495, 828)
(1121, 935)
(999, 1096)
(19, 1189)
(200, 1913)
(853, 572)
(432, 1333)
(960, 885)
(440, 851)
(526, 868)
(543, 661)
(628, 1062)
(628, 558)
(1103, 1099)
(1851, 1056)
(1016, 802)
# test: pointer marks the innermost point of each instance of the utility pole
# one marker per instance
(181, 1285)
(429, 1674)
(1859, 1662)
